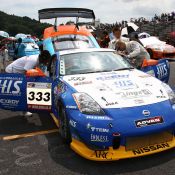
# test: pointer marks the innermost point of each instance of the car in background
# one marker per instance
(155, 47)
(31, 46)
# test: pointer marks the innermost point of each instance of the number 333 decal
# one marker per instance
(39, 95)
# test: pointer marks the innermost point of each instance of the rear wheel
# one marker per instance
(64, 128)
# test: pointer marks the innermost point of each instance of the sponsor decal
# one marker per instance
(39, 85)
(124, 84)
(161, 96)
(77, 79)
(101, 154)
(98, 117)
(99, 138)
(82, 83)
(134, 94)
(109, 103)
(71, 107)
(150, 148)
(162, 70)
(39, 107)
(60, 88)
(73, 123)
(111, 77)
(10, 87)
(112, 103)
(9, 101)
(30, 85)
(149, 121)
(104, 87)
(94, 129)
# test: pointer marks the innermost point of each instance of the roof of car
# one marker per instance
(72, 51)
(66, 30)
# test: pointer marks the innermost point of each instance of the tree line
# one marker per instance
(15, 24)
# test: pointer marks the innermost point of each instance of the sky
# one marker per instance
(108, 11)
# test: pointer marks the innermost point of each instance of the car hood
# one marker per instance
(162, 47)
(119, 89)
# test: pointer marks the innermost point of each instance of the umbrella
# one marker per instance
(4, 34)
(20, 35)
(131, 27)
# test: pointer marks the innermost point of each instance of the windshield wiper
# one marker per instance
(125, 68)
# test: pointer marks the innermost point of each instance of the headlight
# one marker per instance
(170, 92)
(87, 105)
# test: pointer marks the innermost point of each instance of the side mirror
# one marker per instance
(150, 62)
(35, 73)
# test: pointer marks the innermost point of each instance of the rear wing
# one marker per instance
(50, 13)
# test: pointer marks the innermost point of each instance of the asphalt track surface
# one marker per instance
(47, 155)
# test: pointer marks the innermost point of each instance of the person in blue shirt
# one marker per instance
(20, 49)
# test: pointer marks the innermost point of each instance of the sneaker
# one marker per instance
(27, 114)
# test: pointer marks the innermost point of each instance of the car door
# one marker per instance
(161, 70)
(21, 93)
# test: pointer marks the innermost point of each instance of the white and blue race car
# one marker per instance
(106, 109)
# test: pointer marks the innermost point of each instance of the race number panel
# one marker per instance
(39, 96)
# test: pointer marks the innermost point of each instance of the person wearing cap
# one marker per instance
(133, 51)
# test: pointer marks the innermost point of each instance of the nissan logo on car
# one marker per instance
(146, 113)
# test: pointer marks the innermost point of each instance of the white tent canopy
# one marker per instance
(4, 34)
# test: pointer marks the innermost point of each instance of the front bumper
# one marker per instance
(121, 153)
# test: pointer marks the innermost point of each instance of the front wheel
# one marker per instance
(64, 128)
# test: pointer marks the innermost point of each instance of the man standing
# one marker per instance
(117, 34)
(134, 51)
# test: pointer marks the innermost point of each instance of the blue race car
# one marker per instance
(106, 109)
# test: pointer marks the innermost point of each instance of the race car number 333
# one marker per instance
(39, 94)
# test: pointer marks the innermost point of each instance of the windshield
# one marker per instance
(65, 42)
(91, 62)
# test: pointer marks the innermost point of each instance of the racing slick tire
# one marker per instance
(64, 128)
